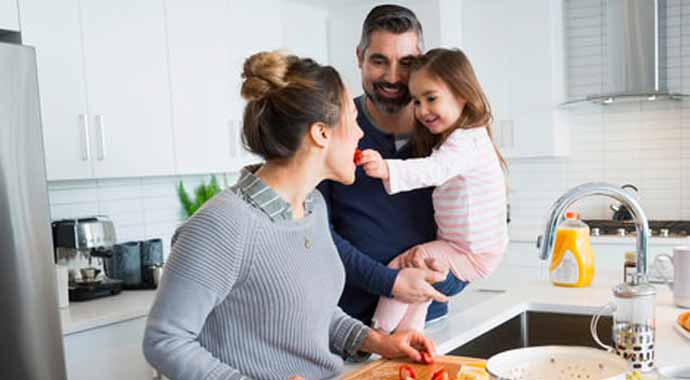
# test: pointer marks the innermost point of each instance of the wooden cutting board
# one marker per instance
(388, 369)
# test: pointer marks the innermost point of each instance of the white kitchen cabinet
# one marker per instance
(305, 29)
(136, 88)
(112, 352)
(204, 85)
(208, 43)
(257, 25)
(127, 82)
(9, 15)
(517, 51)
(53, 29)
(104, 87)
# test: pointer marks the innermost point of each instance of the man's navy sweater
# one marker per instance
(370, 228)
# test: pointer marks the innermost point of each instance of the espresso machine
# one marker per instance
(82, 245)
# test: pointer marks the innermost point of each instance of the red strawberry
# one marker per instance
(427, 358)
(358, 155)
(440, 374)
(406, 372)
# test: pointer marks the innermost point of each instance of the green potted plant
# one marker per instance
(201, 194)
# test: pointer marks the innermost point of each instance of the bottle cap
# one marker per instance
(631, 256)
(571, 215)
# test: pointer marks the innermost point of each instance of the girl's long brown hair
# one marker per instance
(452, 67)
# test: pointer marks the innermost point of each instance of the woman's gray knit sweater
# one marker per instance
(244, 297)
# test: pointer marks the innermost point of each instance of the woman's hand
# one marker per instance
(408, 343)
(373, 164)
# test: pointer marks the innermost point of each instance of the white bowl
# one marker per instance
(674, 372)
(557, 363)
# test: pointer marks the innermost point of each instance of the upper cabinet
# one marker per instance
(9, 15)
(208, 43)
(304, 31)
(53, 28)
(127, 83)
(517, 51)
(202, 85)
(104, 87)
(142, 88)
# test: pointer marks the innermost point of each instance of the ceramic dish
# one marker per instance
(556, 363)
(674, 372)
(681, 330)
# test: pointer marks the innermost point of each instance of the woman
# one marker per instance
(253, 280)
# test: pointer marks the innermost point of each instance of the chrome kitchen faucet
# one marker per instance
(634, 321)
(545, 242)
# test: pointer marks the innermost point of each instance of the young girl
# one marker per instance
(463, 163)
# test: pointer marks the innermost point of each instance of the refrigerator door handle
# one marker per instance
(101, 137)
(85, 143)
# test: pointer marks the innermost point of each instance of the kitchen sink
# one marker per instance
(534, 328)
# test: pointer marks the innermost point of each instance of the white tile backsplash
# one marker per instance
(141, 208)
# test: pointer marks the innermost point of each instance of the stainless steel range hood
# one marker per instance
(633, 51)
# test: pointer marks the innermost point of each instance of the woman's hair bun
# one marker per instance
(262, 73)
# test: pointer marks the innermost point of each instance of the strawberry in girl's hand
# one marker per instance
(358, 155)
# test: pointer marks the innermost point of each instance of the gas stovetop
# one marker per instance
(659, 228)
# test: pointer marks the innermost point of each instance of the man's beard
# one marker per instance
(385, 104)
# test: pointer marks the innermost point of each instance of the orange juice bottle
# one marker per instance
(572, 262)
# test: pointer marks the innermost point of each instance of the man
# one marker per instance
(370, 228)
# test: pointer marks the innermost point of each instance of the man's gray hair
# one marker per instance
(390, 18)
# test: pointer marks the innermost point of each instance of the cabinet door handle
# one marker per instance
(101, 137)
(85, 143)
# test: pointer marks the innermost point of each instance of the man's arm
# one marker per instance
(408, 285)
(362, 271)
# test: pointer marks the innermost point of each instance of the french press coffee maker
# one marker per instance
(634, 324)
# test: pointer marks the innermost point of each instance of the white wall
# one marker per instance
(644, 143)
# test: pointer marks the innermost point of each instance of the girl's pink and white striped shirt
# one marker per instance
(469, 201)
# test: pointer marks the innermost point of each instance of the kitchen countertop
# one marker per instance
(488, 303)
(484, 305)
(87, 315)
(518, 235)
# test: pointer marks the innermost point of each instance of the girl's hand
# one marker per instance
(418, 257)
(373, 164)
(408, 343)
(413, 257)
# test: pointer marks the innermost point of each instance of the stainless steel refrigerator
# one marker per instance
(30, 330)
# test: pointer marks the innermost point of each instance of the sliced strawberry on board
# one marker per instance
(440, 374)
(406, 372)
